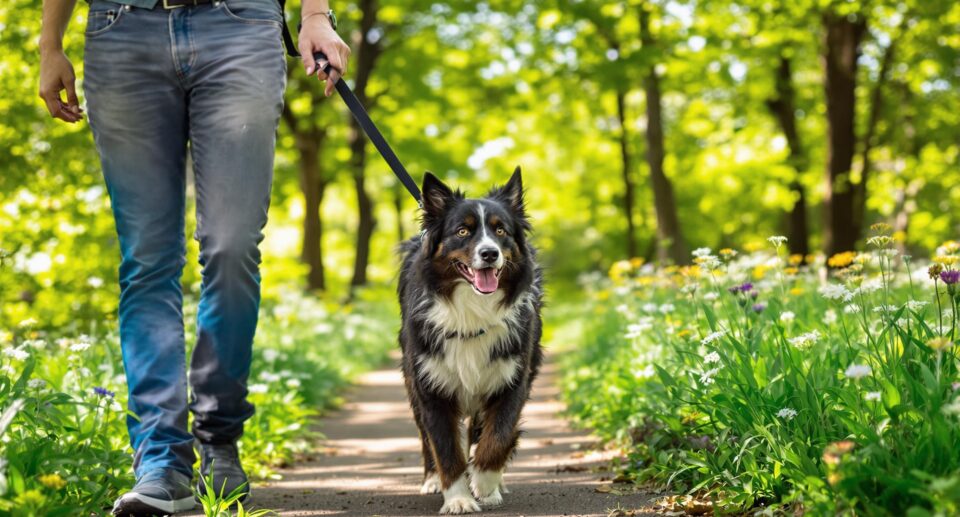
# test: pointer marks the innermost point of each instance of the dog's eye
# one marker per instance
(463, 232)
(501, 231)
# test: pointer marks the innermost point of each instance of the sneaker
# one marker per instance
(228, 474)
(158, 492)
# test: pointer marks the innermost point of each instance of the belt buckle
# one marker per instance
(166, 5)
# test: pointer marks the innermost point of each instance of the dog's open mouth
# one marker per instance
(484, 280)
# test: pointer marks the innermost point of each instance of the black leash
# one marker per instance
(361, 116)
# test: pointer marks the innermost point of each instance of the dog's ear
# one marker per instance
(437, 197)
(512, 192)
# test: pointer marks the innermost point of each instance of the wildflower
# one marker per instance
(742, 288)
(708, 262)
(871, 396)
(649, 307)
(787, 316)
(791, 271)
(916, 305)
(53, 481)
(950, 276)
(881, 228)
(103, 392)
(886, 308)
(830, 317)
(939, 343)
(645, 373)
(706, 378)
(759, 307)
(949, 248)
(796, 291)
(953, 408)
(31, 498)
(841, 260)
(79, 347)
(934, 271)
(16, 353)
(805, 340)
(851, 309)
(29, 322)
(836, 292)
(711, 296)
(879, 241)
(712, 357)
(293, 383)
(702, 252)
(777, 240)
(787, 413)
(36, 383)
(834, 452)
(857, 371)
(728, 253)
(257, 388)
(667, 308)
(712, 337)
(946, 260)
(95, 282)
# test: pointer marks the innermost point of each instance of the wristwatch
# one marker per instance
(333, 18)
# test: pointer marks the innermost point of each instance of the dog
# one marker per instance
(470, 294)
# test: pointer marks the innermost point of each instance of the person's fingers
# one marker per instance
(306, 56)
(345, 59)
(73, 103)
(333, 54)
(331, 82)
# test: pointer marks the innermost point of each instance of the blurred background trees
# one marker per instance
(645, 129)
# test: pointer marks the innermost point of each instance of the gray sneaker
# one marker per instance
(228, 474)
(158, 492)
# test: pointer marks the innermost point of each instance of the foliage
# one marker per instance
(217, 504)
(66, 448)
(756, 380)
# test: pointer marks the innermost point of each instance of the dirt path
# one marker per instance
(370, 462)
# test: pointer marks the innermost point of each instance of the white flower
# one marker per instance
(645, 373)
(787, 413)
(886, 308)
(95, 282)
(667, 308)
(701, 252)
(777, 240)
(711, 296)
(293, 383)
(270, 355)
(836, 292)
(916, 305)
(79, 347)
(623, 309)
(805, 340)
(851, 309)
(787, 316)
(36, 383)
(857, 371)
(706, 378)
(257, 388)
(269, 377)
(830, 317)
(16, 353)
(29, 322)
(871, 396)
(635, 330)
(649, 307)
(713, 336)
(952, 408)
(712, 357)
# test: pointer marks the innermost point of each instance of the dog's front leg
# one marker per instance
(441, 421)
(498, 439)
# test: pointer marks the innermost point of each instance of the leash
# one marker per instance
(360, 115)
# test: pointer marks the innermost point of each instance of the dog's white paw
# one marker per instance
(460, 504)
(457, 498)
(485, 485)
(431, 485)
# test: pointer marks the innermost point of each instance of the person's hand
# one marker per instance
(317, 35)
(56, 75)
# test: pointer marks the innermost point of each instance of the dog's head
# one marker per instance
(481, 242)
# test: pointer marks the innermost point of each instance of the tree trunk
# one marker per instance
(671, 243)
(365, 57)
(783, 108)
(842, 36)
(628, 187)
(313, 183)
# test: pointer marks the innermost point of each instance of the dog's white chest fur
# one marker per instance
(465, 368)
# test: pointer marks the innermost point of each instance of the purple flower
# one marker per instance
(745, 287)
(759, 307)
(950, 276)
(103, 392)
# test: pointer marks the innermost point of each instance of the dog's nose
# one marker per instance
(489, 255)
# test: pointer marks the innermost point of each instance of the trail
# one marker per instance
(369, 462)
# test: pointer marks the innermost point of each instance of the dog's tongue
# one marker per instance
(485, 280)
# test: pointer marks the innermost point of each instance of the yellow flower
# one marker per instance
(690, 271)
(755, 246)
(684, 333)
(881, 228)
(31, 499)
(946, 260)
(603, 295)
(842, 260)
(833, 478)
(940, 343)
(796, 260)
(619, 270)
(53, 481)
(796, 291)
(636, 262)
(760, 271)
(791, 271)
(951, 247)
(728, 253)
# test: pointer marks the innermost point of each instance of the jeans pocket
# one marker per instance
(102, 17)
(256, 12)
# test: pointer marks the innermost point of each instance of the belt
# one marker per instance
(176, 4)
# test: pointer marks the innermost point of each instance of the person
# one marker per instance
(162, 77)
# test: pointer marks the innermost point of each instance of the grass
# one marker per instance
(764, 381)
(63, 441)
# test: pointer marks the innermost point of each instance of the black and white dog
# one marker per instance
(470, 297)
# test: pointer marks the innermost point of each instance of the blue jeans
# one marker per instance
(155, 80)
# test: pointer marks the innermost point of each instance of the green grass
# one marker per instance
(65, 449)
(831, 390)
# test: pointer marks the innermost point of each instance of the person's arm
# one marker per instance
(317, 35)
(56, 71)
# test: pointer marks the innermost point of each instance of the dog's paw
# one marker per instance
(494, 499)
(485, 484)
(459, 505)
(503, 487)
(431, 485)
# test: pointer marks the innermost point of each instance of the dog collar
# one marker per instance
(458, 335)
